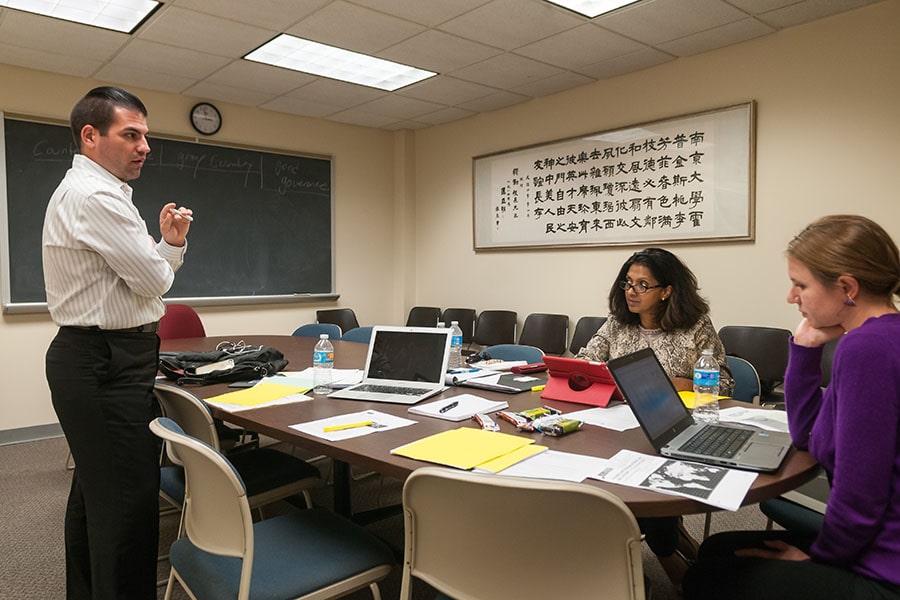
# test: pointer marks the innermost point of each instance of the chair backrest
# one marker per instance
(217, 515)
(424, 316)
(549, 332)
(531, 354)
(466, 319)
(316, 329)
(827, 358)
(358, 334)
(596, 552)
(585, 328)
(180, 321)
(765, 347)
(189, 411)
(746, 381)
(344, 318)
(495, 327)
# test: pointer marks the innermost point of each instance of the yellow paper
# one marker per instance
(687, 398)
(258, 394)
(463, 448)
(507, 460)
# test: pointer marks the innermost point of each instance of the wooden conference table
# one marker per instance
(373, 451)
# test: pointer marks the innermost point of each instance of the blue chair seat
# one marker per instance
(319, 536)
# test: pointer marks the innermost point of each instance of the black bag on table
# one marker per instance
(238, 363)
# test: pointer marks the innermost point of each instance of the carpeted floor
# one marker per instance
(35, 484)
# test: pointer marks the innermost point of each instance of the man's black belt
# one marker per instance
(145, 328)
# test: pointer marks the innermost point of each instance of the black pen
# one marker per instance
(450, 406)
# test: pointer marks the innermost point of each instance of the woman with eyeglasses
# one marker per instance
(655, 302)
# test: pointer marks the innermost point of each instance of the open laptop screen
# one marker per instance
(407, 356)
(649, 392)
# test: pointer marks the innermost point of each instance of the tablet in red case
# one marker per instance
(582, 381)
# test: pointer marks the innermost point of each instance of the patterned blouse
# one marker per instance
(677, 351)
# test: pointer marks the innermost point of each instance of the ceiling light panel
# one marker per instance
(592, 8)
(295, 53)
(118, 15)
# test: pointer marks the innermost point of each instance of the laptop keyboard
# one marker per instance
(390, 389)
(717, 441)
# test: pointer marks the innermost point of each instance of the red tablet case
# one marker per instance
(582, 381)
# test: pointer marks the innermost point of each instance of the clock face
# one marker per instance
(206, 118)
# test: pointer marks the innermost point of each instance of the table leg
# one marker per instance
(342, 500)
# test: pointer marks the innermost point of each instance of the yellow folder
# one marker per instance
(463, 448)
(258, 394)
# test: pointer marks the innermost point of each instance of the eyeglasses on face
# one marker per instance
(639, 287)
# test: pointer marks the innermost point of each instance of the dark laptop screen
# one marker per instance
(407, 356)
(650, 393)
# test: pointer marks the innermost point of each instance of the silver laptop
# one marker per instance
(404, 365)
(672, 430)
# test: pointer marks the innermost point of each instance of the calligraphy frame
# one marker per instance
(689, 178)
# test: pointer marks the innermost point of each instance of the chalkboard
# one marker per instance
(263, 219)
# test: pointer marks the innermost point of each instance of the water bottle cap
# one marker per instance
(454, 322)
(323, 336)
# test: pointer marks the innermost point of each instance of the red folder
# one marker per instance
(582, 381)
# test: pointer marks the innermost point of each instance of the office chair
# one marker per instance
(585, 329)
(314, 330)
(344, 318)
(180, 321)
(424, 316)
(450, 542)
(495, 327)
(548, 332)
(747, 386)
(466, 319)
(358, 334)
(307, 553)
(530, 354)
(766, 348)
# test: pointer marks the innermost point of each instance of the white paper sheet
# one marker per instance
(618, 417)
(381, 422)
(553, 464)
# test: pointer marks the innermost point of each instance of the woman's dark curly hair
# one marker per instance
(680, 310)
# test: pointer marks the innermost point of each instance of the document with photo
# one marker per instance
(713, 485)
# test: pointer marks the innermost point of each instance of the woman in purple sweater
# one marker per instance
(845, 276)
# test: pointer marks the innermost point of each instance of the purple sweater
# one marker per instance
(853, 430)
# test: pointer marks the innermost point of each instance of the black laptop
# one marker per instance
(672, 430)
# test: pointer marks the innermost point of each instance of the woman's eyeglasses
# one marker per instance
(639, 287)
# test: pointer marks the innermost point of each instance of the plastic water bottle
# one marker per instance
(706, 388)
(323, 363)
(456, 341)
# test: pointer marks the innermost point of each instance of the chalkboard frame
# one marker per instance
(13, 305)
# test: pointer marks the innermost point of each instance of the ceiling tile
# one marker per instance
(128, 76)
(265, 78)
(226, 93)
(354, 28)
(426, 12)
(296, 105)
(198, 31)
(553, 84)
(494, 102)
(506, 71)
(509, 24)
(339, 94)
(657, 21)
(726, 35)
(161, 58)
(446, 90)
(809, 10)
(355, 116)
(438, 51)
(271, 14)
(67, 64)
(445, 115)
(613, 67)
(583, 45)
(59, 37)
(399, 107)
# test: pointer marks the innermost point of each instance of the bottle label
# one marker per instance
(456, 340)
(321, 357)
(706, 378)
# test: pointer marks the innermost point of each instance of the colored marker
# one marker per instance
(348, 426)
(175, 211)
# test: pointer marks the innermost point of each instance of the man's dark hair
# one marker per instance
(681, 310)
(97, 108)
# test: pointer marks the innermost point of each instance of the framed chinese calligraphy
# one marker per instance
(684, 179)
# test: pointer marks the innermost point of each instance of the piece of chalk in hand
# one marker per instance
(178, 212)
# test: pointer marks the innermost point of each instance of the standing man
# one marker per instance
(104, 276)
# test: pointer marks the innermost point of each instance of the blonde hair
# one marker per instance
(853, 245)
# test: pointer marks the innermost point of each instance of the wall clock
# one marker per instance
(206, 118)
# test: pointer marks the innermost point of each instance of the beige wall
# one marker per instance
(827, 128)
(827, 131)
